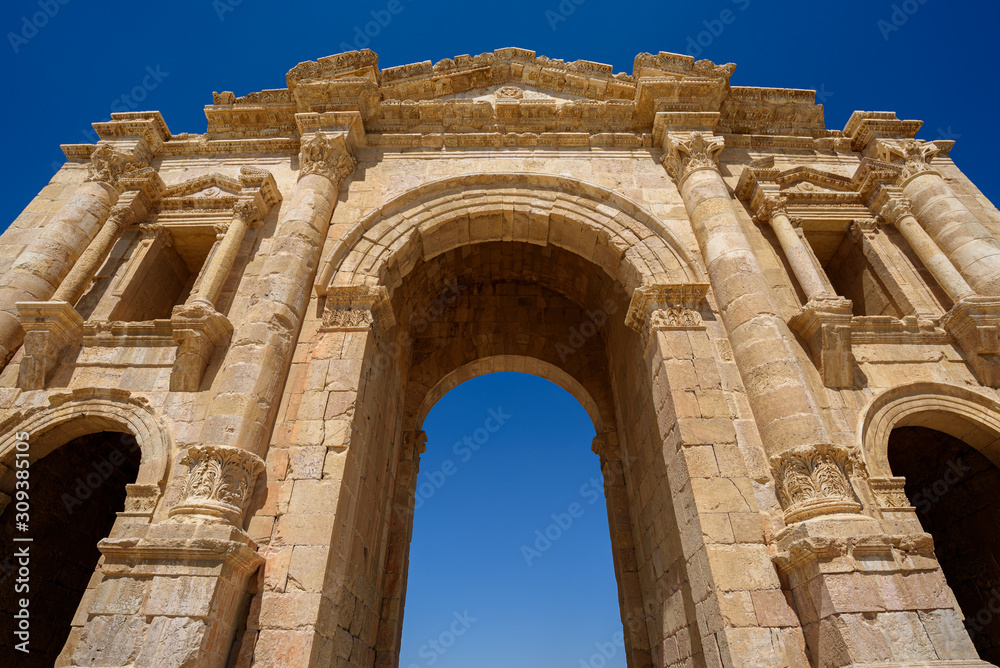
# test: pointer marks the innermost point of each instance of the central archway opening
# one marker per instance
(511, 546)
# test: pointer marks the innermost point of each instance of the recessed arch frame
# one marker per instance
(970, 416)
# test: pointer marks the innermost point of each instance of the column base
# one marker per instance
(50, 328)
(825, 326)
(975, 324)
(198, 329)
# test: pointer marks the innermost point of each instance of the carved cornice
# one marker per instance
(218, 486)
(357, 308)
(327, 155)
(897, 552)
(814, 480)
(889, 492)
(690, 152)
(663, 307)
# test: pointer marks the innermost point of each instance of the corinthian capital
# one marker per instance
(913, 155)
(219, 483)
(815, 480)
(688, 152)
(326, 155)
(895, 209)
(108, 164)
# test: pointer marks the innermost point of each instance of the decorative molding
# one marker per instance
(863, 227)
(50, 327)
(357, 308)
(414, 444)
(912, 155)
(899, 552)
(688, 153)
(108, 164)
(326, 155)
(197, 330)
(975, 324)
(814, 480)
(662, 307)
(889, 492)
(218, 486)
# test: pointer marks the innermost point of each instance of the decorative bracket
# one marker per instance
(975, 324)
(358, 308)
(197, 330)
(50, 328)
(825, 326)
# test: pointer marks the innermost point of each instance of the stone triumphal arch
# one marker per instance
(786, 337)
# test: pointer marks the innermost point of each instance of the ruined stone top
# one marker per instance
(508, 97)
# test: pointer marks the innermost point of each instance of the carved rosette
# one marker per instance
(889, 492)
(326, 155)
(357, 307)
(912, 155)
(661, 307)
(108, 164)
(815, 480)
(219, 483)
(687, 153)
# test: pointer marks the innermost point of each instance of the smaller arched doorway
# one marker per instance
(956, 493)
(74, 495)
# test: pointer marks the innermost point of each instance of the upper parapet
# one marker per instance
(514, 90)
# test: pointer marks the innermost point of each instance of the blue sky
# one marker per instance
(69, 67)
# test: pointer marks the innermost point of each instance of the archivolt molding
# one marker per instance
(627, 242)
(970, 416)
(88, 411)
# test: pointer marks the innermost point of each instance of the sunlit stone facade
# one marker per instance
(774, 326)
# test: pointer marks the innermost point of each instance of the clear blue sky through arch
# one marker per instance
(510, 562)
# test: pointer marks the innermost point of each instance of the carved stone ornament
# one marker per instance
(658, 307)
(863, 227)
(691, 152)
(358, 307)
(108, 164)
(895, 209)
(770, 205)
(509, 93)
(246, 210)
(414, 444)
(913, 155)
(814, 480)
(326, 155)
(889, 492)
(219, 483)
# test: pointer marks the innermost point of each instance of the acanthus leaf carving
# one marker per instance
(358, 307)
(326, 155)
(913, 155)
(814, 480)
(219, 483)
(690, 152)
(108, 164)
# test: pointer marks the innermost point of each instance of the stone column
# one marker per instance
(794, 247)
(390, 631)
(80, 277)
(42, 266)
(969, 245)
(782, 402)
(897, 211)
(246, 392)
(223, 256)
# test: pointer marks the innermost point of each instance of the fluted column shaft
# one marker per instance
(221, 262)
(781, 400)
(944, 272)
(45, 262)
(798, 256)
